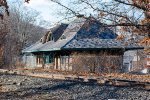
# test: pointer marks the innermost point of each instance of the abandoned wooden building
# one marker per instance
(83, 45)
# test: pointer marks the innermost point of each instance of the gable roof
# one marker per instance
(100, 43)
(83, 34)
(92, 28)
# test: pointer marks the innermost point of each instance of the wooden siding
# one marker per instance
(98, 64)
(84, 61)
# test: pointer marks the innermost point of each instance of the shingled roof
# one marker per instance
(83, 34)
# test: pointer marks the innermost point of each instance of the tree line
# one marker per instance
(17, 31)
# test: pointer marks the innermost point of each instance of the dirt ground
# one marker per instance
(16, 87)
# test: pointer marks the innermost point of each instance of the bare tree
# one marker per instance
(3, 34)
(18, 31)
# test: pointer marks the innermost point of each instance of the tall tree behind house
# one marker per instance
(19, 32)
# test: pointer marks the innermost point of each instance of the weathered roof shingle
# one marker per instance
(82, 34)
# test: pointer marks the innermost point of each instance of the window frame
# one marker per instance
(48, 58)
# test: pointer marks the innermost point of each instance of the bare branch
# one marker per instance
(137, 5)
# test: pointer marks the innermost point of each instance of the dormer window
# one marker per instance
(50, 37)
(47, 37)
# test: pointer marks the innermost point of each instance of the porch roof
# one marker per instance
(101, 44)
(76, 44)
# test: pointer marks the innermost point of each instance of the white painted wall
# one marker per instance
(128, 58)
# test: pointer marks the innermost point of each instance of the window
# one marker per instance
(51, 37)
(45, 58)
(64, 59)
(49, 58)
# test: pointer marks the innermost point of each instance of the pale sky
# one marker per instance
(48, 10)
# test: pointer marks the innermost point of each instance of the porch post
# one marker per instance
(59, 63)
(122, 57)
(55, 65)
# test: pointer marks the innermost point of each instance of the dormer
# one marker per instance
(47, 37)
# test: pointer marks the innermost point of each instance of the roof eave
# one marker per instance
(34, 51)
(134, 48)
(59, 49)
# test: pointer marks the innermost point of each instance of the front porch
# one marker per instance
(54, 61)
(81, 61)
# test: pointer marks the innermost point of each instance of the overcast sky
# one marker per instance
(48, 10)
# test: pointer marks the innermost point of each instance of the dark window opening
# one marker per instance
(49, 58)
(51, 37)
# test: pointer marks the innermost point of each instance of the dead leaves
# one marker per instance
(131, 77)
(145, 41)
(120, 37)
(146, 50)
